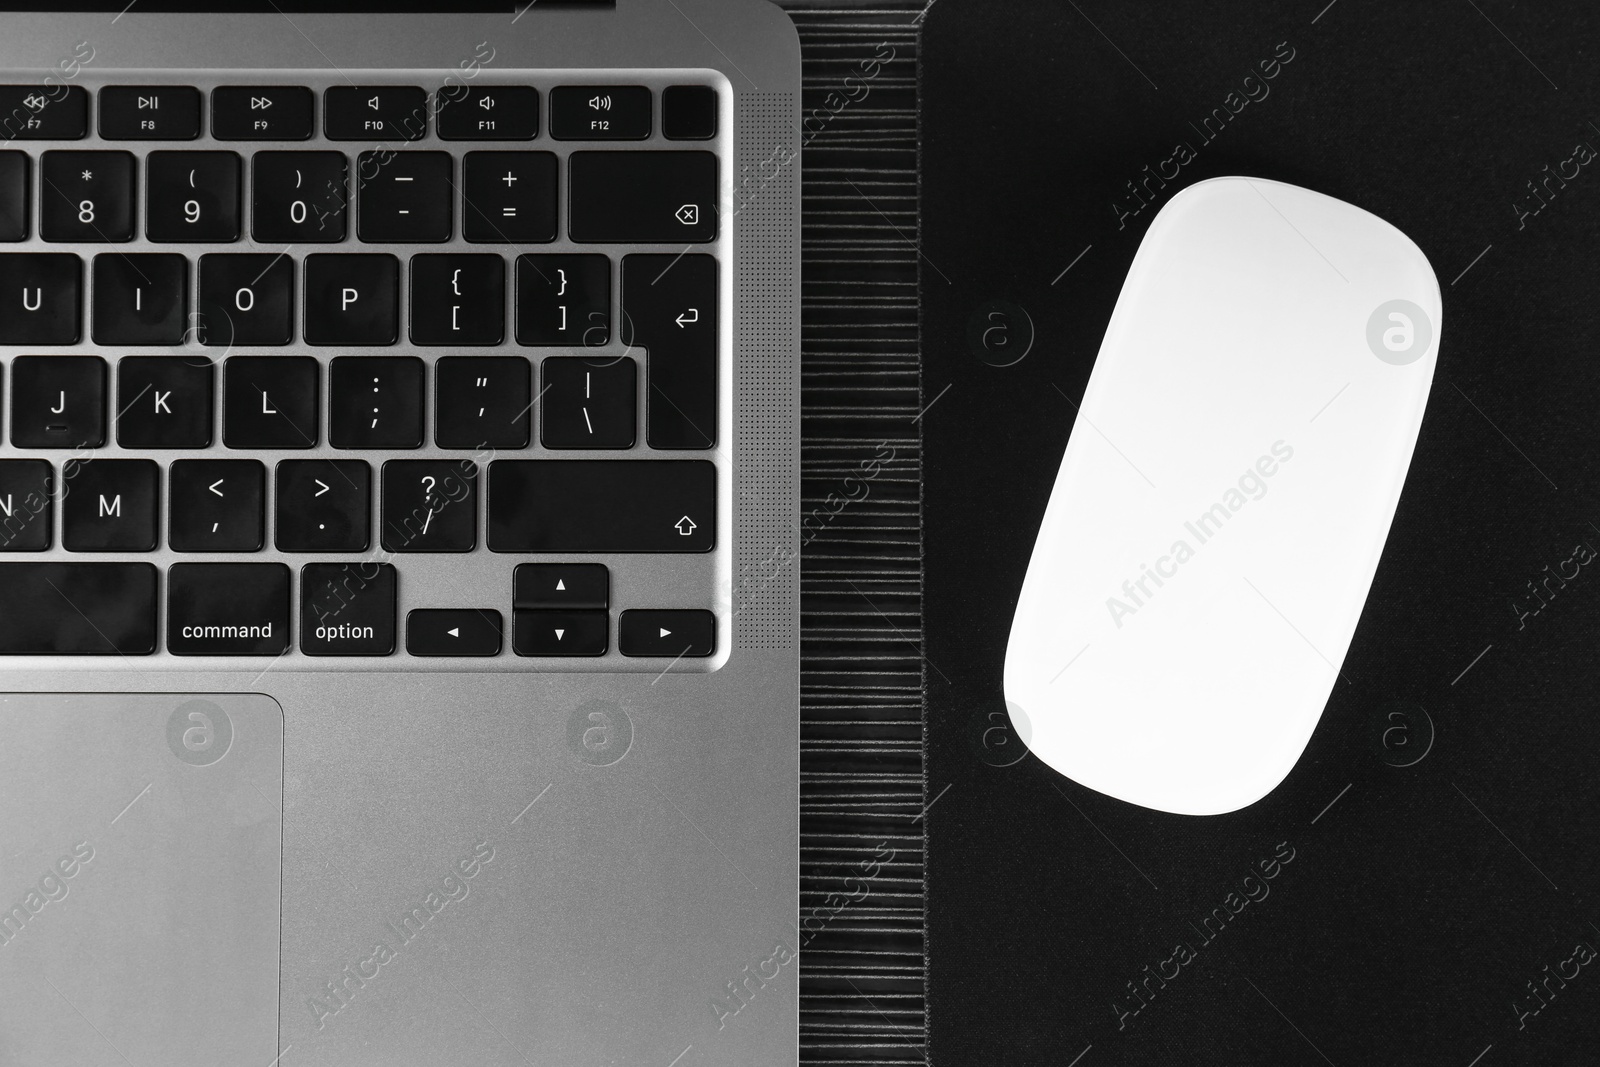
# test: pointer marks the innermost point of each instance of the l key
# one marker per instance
(669, 307)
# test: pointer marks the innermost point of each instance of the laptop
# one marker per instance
(398, 535)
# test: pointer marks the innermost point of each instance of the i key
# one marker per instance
(323, 505)
(564, 300)
(430, 505)
(164, 401)
(140, 298)
(458, 300)
(375, 402)
(405, 196)
(192, 196)
(40, 298)
(483, 402)
(217, 505)
(298, 197)
(58, 402)
(86, 196)
(352, 299)
(587, 403)
(109, 505)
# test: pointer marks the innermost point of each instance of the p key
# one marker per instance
(352, 299)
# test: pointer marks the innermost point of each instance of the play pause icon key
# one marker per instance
(453, 632)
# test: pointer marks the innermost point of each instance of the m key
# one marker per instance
(109, 505)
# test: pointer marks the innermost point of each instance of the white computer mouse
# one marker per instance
(1224, 497)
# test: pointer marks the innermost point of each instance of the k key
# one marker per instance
(164, 401)
(58, 402)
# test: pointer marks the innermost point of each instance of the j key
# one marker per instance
(25, 490)
(323, 505)
(109, 505)
(483, 402)
(509, 196)
(689, 112)
(375, 402)
(13, 196)
(298, 197)
(600, 113)
(140, 298)
(164, 401)
(217, 505)
(489, 113)
(644, 197)
(458, 300)
(149, 113)
(40, 113)
(667, 633)
(41, 298)
(86, 609)
(246, 299)
(376, 113)
(453, 632)
(192, 196)
(405, 196)
(262, 113)
(58, 402)
(86, 196)
(561, 633)
(669, 308)
(347, 609)
(587, 403)
(564, 299)
(561, 586)
(601, 505)
(269, 402)
(352, 299)
(228, 609)
(430, 505)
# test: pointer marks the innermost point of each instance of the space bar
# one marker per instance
(86, 609)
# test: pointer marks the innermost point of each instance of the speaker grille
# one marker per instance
(766, 372)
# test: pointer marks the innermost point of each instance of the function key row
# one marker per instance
(346, 609)
(304, 197)
(358, 113)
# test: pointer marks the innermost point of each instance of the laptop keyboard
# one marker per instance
(349, 370)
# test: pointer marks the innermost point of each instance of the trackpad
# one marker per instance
(140, 865)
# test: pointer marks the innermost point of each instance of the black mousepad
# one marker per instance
(1422, 889)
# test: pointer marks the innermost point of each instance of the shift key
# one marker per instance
(593, 505)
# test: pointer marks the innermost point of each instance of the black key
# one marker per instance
(483, 402)
(85, 609)
(192, 196)
(86, 196)
(149, 113)
(602, 505)
(347, 609)
(109, 505)
(26, 486)
(564, 299)
(509, 196)
(299, 197)
(688, 112)
(58, 401)
(453, 632)
(140, 298)
(43, 113)
(600, 113)
(13, 196)
(430, 505)
(228, 609)
(667, 633)
(246, 299)
(217, 505)
(488, 113)
(404, 196)
(375, 402)
(669, 308)
(458, 300)
(352, 299)
(41, 298)
(642, 197)
(164, 401)
(561, 633)
(587, 403)
(375, 113)
(269, 402)
(323, 505)
(262, 113)
(562, 586)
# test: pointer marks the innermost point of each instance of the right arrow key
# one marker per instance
(670, 633)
